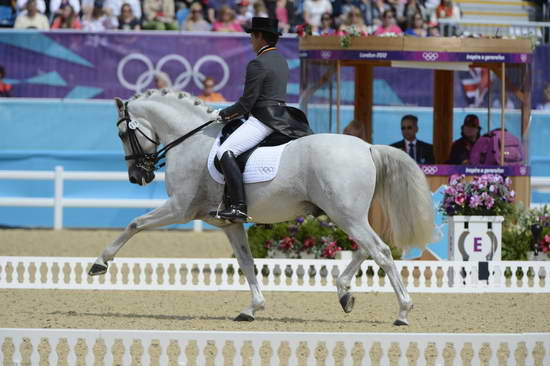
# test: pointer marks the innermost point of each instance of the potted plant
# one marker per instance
(527, 235)
(305, 237)
(475, 213)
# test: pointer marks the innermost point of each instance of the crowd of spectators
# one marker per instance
(323, 17)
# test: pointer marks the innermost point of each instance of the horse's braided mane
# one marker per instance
(181, 95)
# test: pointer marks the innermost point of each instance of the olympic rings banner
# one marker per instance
(61, 64)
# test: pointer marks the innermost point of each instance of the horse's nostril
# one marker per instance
(133, 180)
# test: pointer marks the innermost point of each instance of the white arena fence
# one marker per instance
(154, 347)
(58, 202)
(213, 274)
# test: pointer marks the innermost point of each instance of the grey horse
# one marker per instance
(338, 174)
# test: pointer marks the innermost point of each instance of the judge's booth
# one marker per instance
(340, 90)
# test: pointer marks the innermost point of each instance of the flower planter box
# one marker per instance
(475, 238)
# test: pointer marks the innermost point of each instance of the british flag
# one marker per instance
(476, 85)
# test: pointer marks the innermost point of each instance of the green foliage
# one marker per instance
(517, 234)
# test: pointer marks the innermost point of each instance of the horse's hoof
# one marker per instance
(97, 269)
(399, 322)
(347, 301)
(244, 318)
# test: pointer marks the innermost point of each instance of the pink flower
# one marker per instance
(547, 238)
(508, 181)
(330, 250)
(475, 201)
(489, 202)
(460, 198)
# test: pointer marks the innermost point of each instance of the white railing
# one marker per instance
(313, 275)
(156, 347)
(58, 202)
(508, 28)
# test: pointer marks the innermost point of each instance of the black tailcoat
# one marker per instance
(265, 94)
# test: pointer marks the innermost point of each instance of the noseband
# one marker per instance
(148, 162)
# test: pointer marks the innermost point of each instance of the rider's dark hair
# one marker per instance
(270, 38)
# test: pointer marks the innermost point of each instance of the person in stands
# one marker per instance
(32, 18)
(420, 151)
(208, 93)
(470, 132)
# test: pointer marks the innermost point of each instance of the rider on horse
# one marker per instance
(264, 99)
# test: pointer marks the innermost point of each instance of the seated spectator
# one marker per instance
(98, 19)
(116, 7)
(159, 15)
(259, 9)
(22, 6)
(208, 93)
(546, 105)
(127, 20)
(416, 27)
(411, 9)
(388, 25)
(227, 22)
(448, 10)
(244, 13)
(195, 20)
(433, 32)
(327, 25)
(282, 15)
(354, 19)
(470, 132)
(5, 88)
(420, 151)
(31, 18)
(346, 5)
(377, 10)
(66, 19)
(57, 7)
(313, 9)
(162, 80)
(7, 13)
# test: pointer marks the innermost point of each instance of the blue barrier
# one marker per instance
(81, 135)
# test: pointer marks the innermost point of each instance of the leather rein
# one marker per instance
(148, 162)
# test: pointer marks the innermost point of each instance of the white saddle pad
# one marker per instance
(262, 165)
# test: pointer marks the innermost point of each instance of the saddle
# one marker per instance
(275, 139)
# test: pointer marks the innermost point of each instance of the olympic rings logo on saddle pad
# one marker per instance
(145, 78)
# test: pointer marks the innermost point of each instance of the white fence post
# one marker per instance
(197, 225)
(58, 199)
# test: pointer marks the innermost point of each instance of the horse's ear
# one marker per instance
(119, 103)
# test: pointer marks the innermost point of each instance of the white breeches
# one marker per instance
(250, 134)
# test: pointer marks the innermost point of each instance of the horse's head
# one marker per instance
(139, 142)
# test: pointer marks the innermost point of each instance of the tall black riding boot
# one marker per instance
(236, 211)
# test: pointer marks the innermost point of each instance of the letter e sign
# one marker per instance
(477, 244)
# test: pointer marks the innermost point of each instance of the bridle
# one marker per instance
(148, 162)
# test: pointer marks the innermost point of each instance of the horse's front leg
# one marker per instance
(239, 242)
(161, 216)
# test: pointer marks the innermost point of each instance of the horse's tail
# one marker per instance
(403, 193)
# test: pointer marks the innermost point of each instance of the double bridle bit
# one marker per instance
(148, 162)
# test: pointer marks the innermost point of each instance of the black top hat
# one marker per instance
(268, 25)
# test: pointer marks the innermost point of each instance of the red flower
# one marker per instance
(286, 244)
(309, 243)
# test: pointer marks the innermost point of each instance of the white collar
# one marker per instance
(407, 142)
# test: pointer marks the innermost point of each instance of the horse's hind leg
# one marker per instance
(161, 216)
(239, 242)
(369, 240)
(343, 282)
